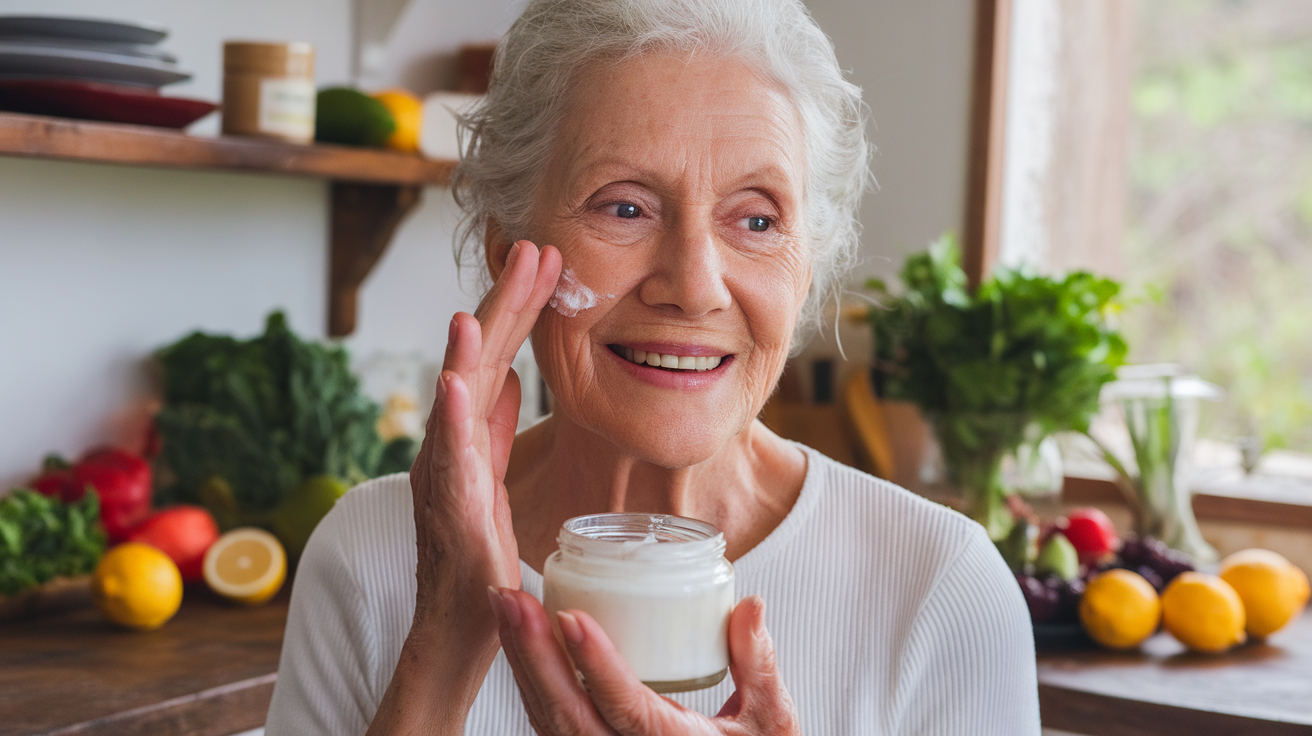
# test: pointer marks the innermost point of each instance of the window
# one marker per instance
(1169, 143)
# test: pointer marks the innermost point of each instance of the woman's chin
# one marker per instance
(675, 445)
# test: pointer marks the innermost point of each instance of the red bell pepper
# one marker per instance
(121, 478)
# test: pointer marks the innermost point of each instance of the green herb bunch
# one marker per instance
(1022, 357)
(246, 422)
(42, 537)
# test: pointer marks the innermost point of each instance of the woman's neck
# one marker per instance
(559, 470)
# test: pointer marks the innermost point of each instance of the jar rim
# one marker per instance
(632, 536)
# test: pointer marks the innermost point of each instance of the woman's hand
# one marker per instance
(616, 702)
(462, 517)
(463, 529)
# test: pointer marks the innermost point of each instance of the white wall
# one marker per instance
(101, 264)
(912, 59)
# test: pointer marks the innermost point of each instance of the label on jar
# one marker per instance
(287, 108)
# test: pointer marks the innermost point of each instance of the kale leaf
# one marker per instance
(262, 416)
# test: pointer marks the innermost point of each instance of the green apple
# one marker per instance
(1059, 557)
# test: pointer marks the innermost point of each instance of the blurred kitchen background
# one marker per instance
(101, 264)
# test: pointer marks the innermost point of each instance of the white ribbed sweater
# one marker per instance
(890, 615)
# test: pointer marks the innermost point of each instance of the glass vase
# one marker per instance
(973, 446)
(1160, 407)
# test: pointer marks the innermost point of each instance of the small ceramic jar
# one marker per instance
(268, 90)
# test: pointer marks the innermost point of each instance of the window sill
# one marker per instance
(1253, 500)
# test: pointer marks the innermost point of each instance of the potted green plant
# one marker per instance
(1021, 357)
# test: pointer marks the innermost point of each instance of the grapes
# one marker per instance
(1146, 553)
(1042, 600)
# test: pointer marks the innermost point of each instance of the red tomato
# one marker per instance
(184, 533)
(1090, 532)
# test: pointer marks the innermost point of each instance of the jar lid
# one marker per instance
(641, 537)
(281, 59)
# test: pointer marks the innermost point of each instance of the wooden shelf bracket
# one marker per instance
(364, 219)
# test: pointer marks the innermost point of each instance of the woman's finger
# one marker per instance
(541, 667)
(501, 314)
(503, 422)
(505, 610)
(464, 350)
(629, 706)
(764, 704)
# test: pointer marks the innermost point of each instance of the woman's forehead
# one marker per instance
(665, 113)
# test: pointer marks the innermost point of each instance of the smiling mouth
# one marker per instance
(676, 363)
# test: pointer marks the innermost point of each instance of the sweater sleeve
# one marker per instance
(968, 665)
(327, 657)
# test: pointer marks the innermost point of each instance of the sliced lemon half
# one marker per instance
(247, 565)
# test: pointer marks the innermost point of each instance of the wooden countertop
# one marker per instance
(1164, 690)
(207, 672)
(210, 672)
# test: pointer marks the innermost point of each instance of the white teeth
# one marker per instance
(678, 362)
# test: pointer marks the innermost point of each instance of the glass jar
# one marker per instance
(659, 586)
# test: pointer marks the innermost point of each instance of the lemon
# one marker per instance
(1203, 612)
(246, 565)
(1120, 609)
(137, 586)
(408, 112)
(1273, 590)
(299, 513)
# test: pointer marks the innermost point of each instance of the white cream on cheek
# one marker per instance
(573, 296)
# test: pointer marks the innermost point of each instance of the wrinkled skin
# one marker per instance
(675, 191)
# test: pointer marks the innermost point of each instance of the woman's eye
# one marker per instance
(627, 211)
(758, 224)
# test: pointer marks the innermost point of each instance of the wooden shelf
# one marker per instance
(372, 190)
(138, 145)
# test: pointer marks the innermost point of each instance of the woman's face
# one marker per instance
(674, 193)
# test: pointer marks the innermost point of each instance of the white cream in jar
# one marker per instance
(660, 588)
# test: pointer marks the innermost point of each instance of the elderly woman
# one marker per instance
(692, 169)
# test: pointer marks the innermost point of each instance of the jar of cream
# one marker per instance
(660, 588)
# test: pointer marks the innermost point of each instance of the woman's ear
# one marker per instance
(496, 248)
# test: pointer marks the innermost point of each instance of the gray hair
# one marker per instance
(507, 141)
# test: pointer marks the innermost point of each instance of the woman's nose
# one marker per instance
(689, 272)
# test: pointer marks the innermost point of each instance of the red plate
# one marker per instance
(95, 101)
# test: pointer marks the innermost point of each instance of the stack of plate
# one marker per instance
(91, 69)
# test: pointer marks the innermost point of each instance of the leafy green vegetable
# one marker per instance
(41, 537)
(1021, 358)
(262, 415)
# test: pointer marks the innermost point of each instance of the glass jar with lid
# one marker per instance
(659, 586)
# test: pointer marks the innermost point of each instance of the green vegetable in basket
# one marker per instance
(42, 537)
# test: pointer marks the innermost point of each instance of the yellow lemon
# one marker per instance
(1273, 590)
(1203, 612)
(246, 565)
(1120, 609)
(137, 586)
(408, 112)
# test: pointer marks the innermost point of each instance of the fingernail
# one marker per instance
(510, 606)
(451, 332)
(510, 257)
(494, 598)
(570, 628)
